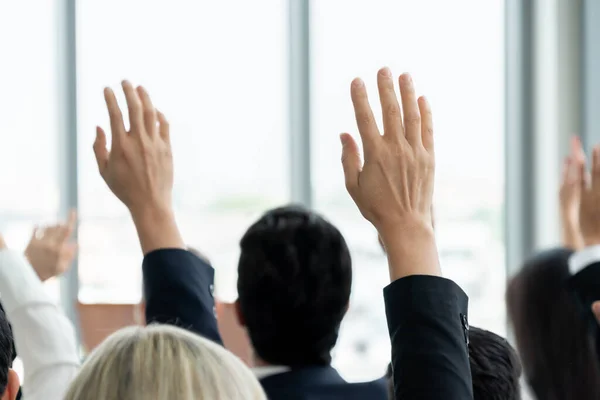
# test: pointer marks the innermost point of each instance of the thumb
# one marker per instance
(596, 310)
(35, 233)
(351, 161)
(100, 149)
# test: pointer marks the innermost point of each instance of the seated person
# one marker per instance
(294, 281)
(495, 367)
(427, 315)
(162, 362)
(44, 337)
(557, 349)
(9, 380)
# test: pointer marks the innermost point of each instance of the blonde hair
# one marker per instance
(161, 362)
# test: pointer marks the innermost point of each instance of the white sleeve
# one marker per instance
(44, 337)
(583, 258)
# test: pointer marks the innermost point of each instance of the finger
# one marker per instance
(367, 127)
(163, 126)
(596, 166)
(100, 150)
(52, 234)
(577, 149)
(351, 162)
(117, 126)
(596, 310)
(134, 105)
(70, 251)
(149, 112)
(35, 234)
(69, 227)
(426, 123)
(392, 116)
(410, 109)
(585, 177)
(566, 171)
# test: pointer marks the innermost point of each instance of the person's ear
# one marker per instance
(12, 388)
(238, 313)
(596, 310)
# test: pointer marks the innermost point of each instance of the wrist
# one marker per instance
(411, 248)
(591, 240)
(156, 228)
(151, 212)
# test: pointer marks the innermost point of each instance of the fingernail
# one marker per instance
(343, 139)
(357, 83)
(385, 71)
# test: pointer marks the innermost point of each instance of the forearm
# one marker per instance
(44, 337)
(178, 288)
(156, 228)
(427, 321)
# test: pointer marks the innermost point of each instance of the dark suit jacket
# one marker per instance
(586, 286)
(321, 383)
(430, 355)
(178, 289)
(427, 320)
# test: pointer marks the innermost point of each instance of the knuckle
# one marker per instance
(149, 114)
(412, 118)
(392, 110)
(365, 118)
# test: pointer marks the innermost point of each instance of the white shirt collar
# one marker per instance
(583, 258)
(269, 370)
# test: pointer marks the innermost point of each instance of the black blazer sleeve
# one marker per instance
(427, 321)
(586, 286)
(178, 289)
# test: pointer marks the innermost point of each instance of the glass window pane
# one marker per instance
(199, 60)
(28, 150)
(454, 51)
(29, 127)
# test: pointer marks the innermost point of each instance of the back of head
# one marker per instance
(294, 280)
(556, 348)
(161, 362)
(495, 367)
(7, 351)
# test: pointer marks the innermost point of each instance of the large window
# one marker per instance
(454, 49)
(201, 61)
(29, 157)
(29, 151)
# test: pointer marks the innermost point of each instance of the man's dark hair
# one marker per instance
(495, 367)
(294, 279)
(7, 350)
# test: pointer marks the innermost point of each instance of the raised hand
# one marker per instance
(138, 169)
(570, 196)
(589, 210)
(50, 250)
(393, 189)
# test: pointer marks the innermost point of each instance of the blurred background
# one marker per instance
(257, 93)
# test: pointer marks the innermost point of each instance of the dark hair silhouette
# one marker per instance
(557, 350)
(294, 279)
